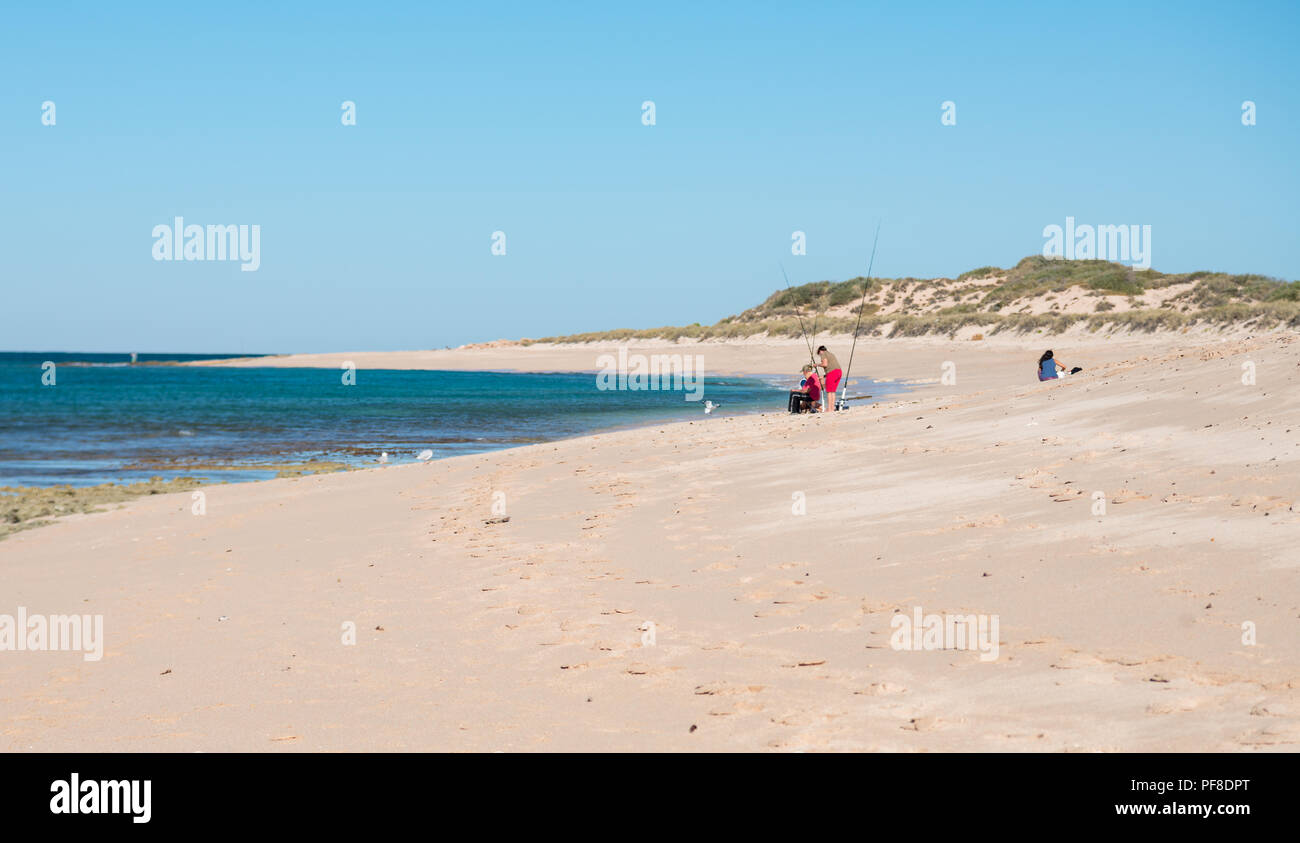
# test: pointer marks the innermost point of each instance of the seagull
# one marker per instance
(709, 407)
(383, 458)
(424, 455)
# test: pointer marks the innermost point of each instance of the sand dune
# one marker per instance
(654, 589)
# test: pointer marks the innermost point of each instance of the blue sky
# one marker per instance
(526, 118)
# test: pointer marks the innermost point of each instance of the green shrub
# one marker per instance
(845, 292)
(1217, 299)
(1286, 292)
(1115, 280)
(982, 272)
(1147, 320)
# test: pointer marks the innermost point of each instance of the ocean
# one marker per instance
(105, 420)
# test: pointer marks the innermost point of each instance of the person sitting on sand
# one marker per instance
(1050, 369)
(831, 365)
(809, 393)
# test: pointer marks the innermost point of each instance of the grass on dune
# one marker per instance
(984, 297)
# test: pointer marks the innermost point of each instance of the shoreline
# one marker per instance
(357, 456)
(758, 356)
(87, 497)
(1118, 632)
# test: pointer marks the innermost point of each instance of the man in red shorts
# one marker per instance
(831, 365)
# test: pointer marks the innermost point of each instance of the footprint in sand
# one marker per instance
(715, 689)
(882, 689)
(929, 723)
(1174, 706)
(737, 707)
(1268, 737)
(778, 612)
(806, 718)
(643, 669)
(571, 625)
(1073, 660)
(1272, 708)
(1134, 661)
(806, 597)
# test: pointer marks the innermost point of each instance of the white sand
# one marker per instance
(1120, 631)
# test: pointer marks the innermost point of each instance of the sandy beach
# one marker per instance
(1000, 357)
(725, 584)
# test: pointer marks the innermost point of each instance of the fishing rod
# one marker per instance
(811, 358)
(827, 399)
(802, 332)
(866, 286)
(812, 335)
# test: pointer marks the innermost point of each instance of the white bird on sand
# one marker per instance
(709, 407)
(383, 458)
(425, 455)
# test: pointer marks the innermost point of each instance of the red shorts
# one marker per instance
(833, 380)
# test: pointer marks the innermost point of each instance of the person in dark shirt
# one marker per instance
(1050, 369)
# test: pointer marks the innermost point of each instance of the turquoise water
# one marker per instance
(107, 421)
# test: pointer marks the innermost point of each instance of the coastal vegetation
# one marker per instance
(1037, 294)
(24, 507)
